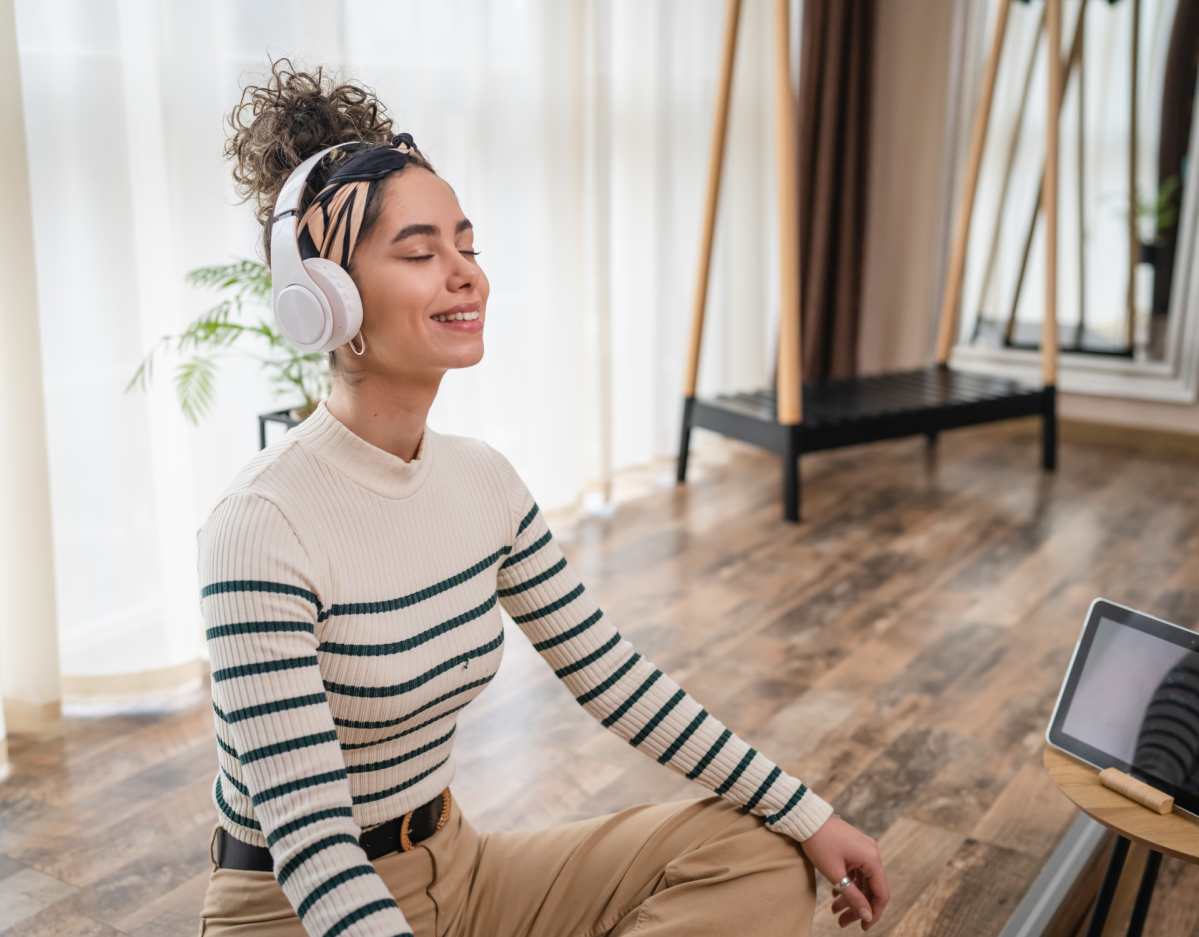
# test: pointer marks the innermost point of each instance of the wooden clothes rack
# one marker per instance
(794, 417)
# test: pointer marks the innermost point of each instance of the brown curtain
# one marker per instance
(1178, 101)
(834, 123)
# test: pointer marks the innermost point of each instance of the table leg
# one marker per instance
(1107, 890)
(1140, 910)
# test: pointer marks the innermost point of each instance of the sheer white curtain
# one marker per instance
(124, 103)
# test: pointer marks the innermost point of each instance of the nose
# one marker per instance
(464, 275)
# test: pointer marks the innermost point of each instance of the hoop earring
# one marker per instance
(358, 351)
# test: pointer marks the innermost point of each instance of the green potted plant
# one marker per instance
(239, 324)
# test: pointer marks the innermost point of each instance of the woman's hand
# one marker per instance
(838, 850)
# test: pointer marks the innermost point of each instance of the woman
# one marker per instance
(352, 579)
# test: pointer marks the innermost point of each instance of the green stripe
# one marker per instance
(707, 759)
(614, 716)
(266, 666)
(290, 745)
(227, 749)
(589, 659)
(345, 875)
(256, 627)
(387, 724)
(396, 689)
(602, 688)
(535, 581)
(686, 734)
(737, 771)
(399, 647)
(567, 635)
(276, 706)
(309, 851)
(552, 607)
(299, 784)
(365, 911)
(527, 551)
(404, 601)
(219, 796)
(237, 785)
(766, 785)
(795, 799)
(400, 759)
(658, 717)
(391, 738)
(383, 795)
(528, 519)
(258, 585)
(299, 823)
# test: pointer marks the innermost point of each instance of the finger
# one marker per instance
(876, 885)
(848, 918)
(857, 902)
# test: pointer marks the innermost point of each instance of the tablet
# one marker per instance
(1131, 700)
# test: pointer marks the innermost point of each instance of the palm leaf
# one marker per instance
(193, 386)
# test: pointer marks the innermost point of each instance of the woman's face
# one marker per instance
(424, 296)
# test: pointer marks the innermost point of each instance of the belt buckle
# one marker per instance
(406, 843)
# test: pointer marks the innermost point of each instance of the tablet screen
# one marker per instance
(1135, 699)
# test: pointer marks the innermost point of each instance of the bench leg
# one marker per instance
(791, 477)
(685, 437)
(1049, 429)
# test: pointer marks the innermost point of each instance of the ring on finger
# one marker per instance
(840, 886)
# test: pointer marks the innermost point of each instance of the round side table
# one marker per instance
(1138, 830)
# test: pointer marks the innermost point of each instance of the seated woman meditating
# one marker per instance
(352, 579)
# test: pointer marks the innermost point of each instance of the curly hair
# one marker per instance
(295, 114)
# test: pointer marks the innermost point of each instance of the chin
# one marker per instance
(466, 358)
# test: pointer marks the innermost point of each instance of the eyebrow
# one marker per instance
(432, 230)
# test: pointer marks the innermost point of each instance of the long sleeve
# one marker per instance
(625, 692)
(283, 781)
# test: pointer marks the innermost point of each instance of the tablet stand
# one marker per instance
(1142, 836)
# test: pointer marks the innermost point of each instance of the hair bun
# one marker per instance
(295, 114)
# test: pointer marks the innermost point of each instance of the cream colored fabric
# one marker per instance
(353, 609)
(690, 869)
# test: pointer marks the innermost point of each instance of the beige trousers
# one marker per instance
(695, 868)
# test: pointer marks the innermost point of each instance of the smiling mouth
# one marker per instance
(456, 316)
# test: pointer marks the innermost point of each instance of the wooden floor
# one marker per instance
(900, 651)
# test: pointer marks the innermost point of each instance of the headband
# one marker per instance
(330, 226)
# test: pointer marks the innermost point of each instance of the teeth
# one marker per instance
(456, 317)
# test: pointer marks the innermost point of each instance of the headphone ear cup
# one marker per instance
(342, 294)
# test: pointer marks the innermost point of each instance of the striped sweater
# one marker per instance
(352, 604)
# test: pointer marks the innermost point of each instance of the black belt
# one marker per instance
(398, 835)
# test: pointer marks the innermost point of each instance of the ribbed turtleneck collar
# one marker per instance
(362, 463)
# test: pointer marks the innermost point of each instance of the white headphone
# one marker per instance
(317, 306)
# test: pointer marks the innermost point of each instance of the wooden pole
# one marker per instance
(1134, 233)
(1053, 19)
(786, 123)
(947, 330)
(720, 125)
